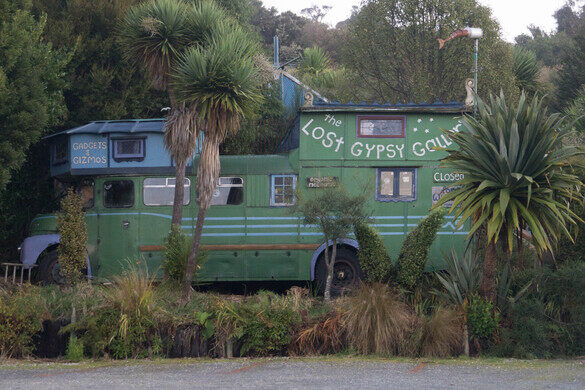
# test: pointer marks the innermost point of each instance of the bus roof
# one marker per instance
(129, 126)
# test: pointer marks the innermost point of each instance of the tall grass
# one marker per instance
(377, 320)
(439, 335)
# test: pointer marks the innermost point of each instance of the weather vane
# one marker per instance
(472, 33)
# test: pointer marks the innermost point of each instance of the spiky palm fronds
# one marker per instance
(461, 279)
(219, 82)
(526, 69)
(517, 172)
(154, 34)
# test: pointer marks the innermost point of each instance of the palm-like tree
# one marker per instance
(218, 83)
(154, 35)
(517, 175)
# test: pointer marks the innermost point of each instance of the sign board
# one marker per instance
(322, 182)
(443, 175)
(438, 192)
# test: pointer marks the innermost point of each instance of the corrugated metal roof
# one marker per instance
(437, 106)
(118, 126)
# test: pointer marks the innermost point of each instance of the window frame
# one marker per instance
(360, 118)
(129, 157)
(272, 187)
(118, 207)
(396, 184)
(229, 186)
(165, 186)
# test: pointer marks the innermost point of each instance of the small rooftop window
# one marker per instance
(128, 149)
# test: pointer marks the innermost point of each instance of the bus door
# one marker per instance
(224, 231)
(118, 226)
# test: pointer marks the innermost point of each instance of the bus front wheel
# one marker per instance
(50, 269)
(346, 272)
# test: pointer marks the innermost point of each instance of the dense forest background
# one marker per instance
(61, 66)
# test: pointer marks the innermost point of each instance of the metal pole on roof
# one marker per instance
(475, 70)
(473, 33)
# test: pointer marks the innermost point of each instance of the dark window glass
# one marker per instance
(229, 191)
(119, 193)
(128, 149)
(398, 184)
(381, 126)
(87, 193)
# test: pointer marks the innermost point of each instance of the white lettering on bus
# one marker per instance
(353, 146)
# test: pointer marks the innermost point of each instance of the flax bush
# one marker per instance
(177, 248)
(73, 242)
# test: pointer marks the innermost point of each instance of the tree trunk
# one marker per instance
(488, 282)
(330, 262)
(177, 219)
(207, 174)
(189, 271)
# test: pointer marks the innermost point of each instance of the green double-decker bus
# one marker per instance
(127, 181)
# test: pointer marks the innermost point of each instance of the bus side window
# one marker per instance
(119, 194)
(229, 191)
(87, 195)
(160, 191)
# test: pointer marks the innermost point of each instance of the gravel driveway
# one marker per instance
(282, 373)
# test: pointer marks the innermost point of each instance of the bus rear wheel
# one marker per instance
(50, 269)
(346, 272)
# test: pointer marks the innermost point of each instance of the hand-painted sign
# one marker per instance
(438, 192)
(329, 137)
(441, 175)
(322, 182)
(89, 152)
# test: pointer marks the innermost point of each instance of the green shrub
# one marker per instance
(74, 352)
(568, 251)
(22, 312)
(482, 320)
(177, 249)
(374, 259)
(267, 324)
(73, 242)
(415, 250)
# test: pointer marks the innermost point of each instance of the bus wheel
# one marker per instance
(346, 272)
(50, 269)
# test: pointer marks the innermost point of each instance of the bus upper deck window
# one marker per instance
(229, 191)
(118, 194)
(396, 184)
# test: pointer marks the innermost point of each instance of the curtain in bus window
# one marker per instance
(160, 191)
(387, 183)
(405, 183)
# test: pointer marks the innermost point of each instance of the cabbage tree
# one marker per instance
(518, 175)
(218, 83)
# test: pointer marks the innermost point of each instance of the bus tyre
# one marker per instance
(346, 272)
(50, 269)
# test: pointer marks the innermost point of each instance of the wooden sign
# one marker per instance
(322, 182)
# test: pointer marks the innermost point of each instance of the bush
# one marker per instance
(415, 250)
(568, 251)
(22, 312)
(377, 321)
(268, 322)
(482, 320)
(177, 249)
(374, 259)
(74, 351)
(326, 335)
(73, 242)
